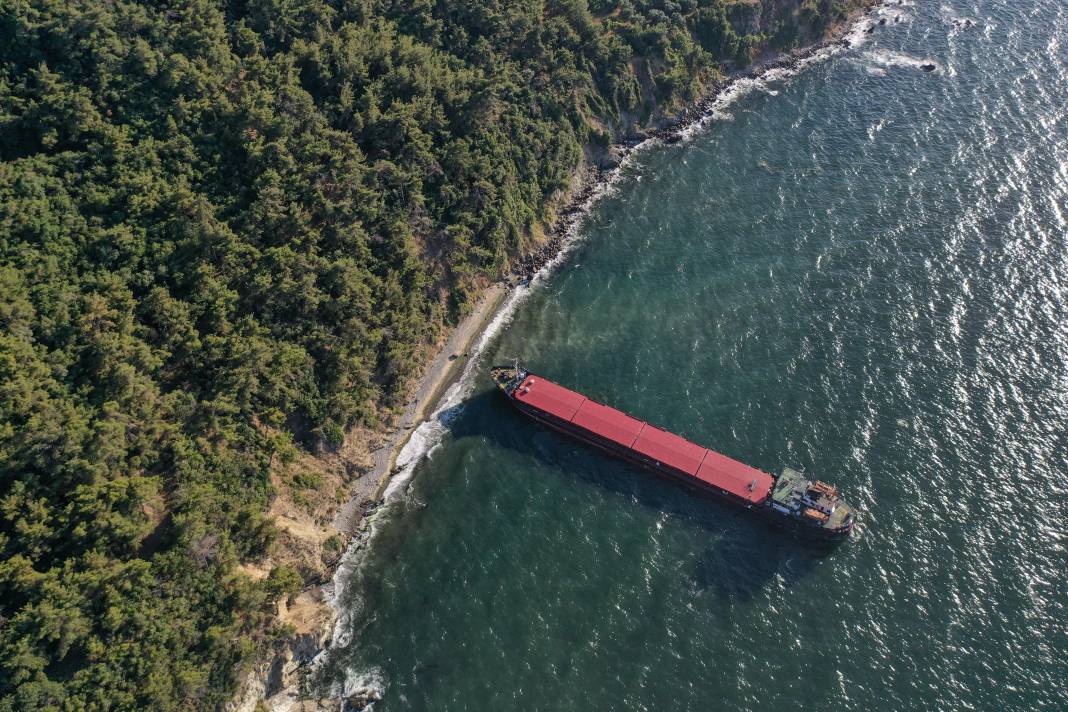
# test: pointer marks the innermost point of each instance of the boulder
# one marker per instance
(361, 699)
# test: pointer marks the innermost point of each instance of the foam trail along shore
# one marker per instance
(781, 69)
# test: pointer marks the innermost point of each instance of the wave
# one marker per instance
(886, 58)
(738, 88)
(369, 684)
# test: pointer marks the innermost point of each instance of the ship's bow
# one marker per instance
(505, 377)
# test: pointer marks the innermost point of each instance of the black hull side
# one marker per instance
(761, 510)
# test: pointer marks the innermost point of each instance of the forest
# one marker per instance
(228, 232)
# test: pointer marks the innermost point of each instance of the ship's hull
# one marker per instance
(761, 510)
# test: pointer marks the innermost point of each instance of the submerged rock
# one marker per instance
(929, 66)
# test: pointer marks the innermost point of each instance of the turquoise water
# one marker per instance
(859, 270)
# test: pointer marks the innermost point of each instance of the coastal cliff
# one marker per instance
(231, 237)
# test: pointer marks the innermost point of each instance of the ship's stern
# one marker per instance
(815, 508)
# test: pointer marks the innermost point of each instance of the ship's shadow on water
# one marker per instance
(743, 553)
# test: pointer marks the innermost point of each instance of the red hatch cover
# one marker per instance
(738, 479)
(670, 449)
(549, 397)
(608, 422)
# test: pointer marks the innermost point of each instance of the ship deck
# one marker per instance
(660, 446)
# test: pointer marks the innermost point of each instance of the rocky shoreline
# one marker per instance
(673, 131)
(528, 265)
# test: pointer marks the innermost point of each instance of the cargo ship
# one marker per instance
(808, 508)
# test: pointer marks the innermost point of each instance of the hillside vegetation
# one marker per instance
(227, 230)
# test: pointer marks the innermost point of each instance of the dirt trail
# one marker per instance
(439, 375)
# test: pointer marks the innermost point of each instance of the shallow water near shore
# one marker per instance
(860, 270)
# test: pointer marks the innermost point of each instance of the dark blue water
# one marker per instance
(860, 270)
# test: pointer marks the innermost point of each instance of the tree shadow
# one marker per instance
(743, 553)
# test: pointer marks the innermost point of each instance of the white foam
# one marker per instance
(856, 36)
(370, 682)
(886, 58)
